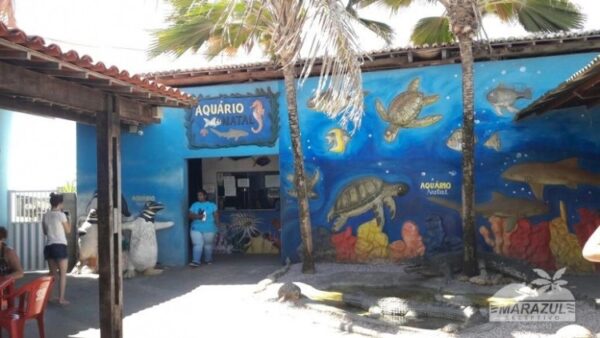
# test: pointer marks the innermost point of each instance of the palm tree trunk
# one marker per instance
(464, 25)
(468, 145)
(308, 264)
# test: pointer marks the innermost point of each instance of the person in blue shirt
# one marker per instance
(205, 219)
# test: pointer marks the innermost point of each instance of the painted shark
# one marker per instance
(232, 134)
(214, 122)
(539, 174)
(511, 209)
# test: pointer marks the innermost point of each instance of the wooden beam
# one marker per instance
(41, 65)
(24, 82)
(67, 74)
(109, 212)
(14, 55)
(27, 83)
(24, 106)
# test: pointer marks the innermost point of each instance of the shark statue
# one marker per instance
(539, 174)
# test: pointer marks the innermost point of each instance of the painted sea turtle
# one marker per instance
(404, 110)
(363, 194)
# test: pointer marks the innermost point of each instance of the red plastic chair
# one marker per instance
(33, 298)
(7, 285)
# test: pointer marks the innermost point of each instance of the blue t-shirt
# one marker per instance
(207, 223)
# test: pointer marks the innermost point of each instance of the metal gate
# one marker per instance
(25, 234)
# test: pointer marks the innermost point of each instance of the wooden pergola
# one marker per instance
(43, 80)
(582, 89)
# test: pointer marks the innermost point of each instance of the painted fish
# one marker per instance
(455, 140)
(214, 122)
(503, 97)
(540, 174)
(262, 161)
(510, 209)
(231, 134)
(337, 139)
(493, 142)
(258, 112)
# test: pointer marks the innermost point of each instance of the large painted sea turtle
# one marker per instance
(404, 110)
(363, 194)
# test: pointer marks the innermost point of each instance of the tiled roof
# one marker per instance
(119, 78)
(536, 44)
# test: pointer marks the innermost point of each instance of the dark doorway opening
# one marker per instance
(194, 185)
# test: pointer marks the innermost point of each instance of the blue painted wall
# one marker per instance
(155, 164)
(5, 122)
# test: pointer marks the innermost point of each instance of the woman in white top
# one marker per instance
(56, 227)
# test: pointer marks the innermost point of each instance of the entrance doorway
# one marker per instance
(247, 193)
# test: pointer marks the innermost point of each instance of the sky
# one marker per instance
(118, 32)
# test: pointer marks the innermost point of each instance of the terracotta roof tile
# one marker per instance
(38, 44)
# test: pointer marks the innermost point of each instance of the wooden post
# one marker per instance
(109, 220)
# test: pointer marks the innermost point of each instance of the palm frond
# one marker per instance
(393, 5)
(430, 30)
(337, 47)
(195, 24)
(282, 28)
(7, 13)
(505, 10)
(382, 30)
(550, 16)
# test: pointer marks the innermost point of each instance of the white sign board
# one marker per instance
(229, 185)
(243, 182)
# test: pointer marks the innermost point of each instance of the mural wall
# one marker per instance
(391, 191)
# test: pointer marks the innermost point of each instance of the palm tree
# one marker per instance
(7, 13)
(282, 29)
(462, 22)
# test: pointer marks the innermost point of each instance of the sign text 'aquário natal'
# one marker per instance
(234, 120)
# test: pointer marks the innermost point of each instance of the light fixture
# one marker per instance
(136, 129)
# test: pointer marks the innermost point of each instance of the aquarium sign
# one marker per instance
(235, 120)
(435, 188)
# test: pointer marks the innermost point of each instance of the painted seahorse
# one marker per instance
(258, 111)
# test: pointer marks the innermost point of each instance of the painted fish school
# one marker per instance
(413, 107)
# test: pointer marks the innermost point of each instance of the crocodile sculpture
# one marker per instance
(393, 306)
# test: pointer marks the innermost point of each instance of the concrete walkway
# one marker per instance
(178, 303)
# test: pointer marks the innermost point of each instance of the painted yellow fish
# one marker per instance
(337, 139)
